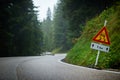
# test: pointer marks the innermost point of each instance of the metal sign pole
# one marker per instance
(105, 23)
(96, 62)
(98, 54)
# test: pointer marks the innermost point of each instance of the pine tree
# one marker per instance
(47, 32)
(20, 30)
(60, 25)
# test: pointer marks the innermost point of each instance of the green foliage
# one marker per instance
(81, 54)
(60, 29)
(20, 32)
(47, 29)
(77, 12)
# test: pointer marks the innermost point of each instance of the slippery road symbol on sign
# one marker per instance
(102, 36)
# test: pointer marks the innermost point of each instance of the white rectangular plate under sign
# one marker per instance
(100, 47)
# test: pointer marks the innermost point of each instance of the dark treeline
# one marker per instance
(55, 31)
(47, 29)
(69, 20)
(77, 12)
(61, 34)
(20, 33)
(71, 16)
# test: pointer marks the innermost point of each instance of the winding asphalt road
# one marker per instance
(49, 68)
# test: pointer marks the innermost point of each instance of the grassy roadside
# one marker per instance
(82, 54)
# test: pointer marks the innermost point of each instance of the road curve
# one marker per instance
(49, 68)
(8, 66)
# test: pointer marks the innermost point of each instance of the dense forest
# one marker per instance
(55, 31)
(70, 17)
(74, 24)
(20, 33)
(81, 54)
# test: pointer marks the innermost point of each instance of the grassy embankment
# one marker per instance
(82, 54)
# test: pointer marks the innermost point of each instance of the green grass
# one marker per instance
(82, 54)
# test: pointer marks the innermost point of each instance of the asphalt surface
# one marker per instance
(49, 68)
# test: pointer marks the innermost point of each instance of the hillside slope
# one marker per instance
(82, 54)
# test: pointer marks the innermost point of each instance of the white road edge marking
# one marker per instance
(59, 60)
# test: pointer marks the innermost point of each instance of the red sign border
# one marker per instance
(94, 38)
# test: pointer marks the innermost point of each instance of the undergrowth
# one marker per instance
(82, 54)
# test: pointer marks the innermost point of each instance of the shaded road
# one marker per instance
(9, 65)
(49, 68)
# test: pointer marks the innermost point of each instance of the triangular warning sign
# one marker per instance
(102, 36)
